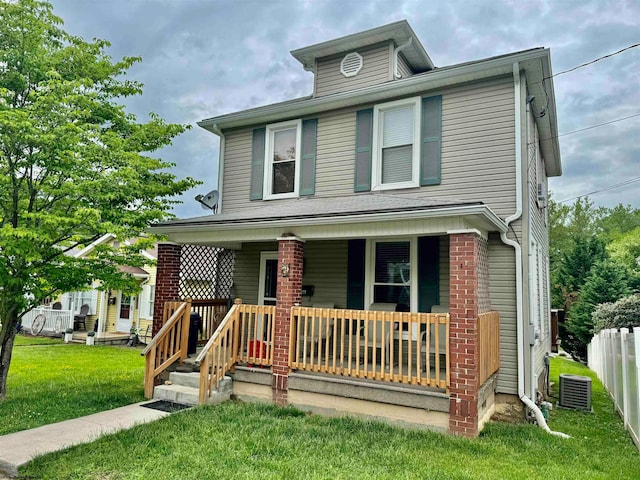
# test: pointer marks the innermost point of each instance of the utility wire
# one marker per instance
(610, 187)
(596, 60)
(587, 128)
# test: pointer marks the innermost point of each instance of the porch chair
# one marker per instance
(442, 336)
(81, 318)
(56, 306)
(378, 333)
(318, 336)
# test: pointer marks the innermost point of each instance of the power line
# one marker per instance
(610, 187)
(587, 128)
(594, 61)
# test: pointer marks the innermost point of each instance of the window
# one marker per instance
(396, 152)
(391, 276)
(147, 297)
(282, 159)
(75, 300)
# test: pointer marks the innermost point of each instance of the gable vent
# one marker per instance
(575, 392)
(351, 64)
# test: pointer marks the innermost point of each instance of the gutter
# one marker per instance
(216, 129)
(518, 253)
(396, 73)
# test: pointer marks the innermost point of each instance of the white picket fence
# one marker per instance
(56, 321)
(615, 357)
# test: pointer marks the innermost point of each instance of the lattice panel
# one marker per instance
(205, 272)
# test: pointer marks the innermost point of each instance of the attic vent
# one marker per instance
(575, 392)
(351, 64)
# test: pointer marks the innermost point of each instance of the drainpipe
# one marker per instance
(218, 132)
(518, 253)
(396, 73)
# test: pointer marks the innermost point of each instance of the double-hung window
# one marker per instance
(282, 159)
(391, 277)
(396, 144)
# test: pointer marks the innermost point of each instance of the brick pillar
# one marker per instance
(468, 297)
(289, 293)
(167, 280)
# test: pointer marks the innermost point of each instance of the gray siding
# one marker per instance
(478, 151)
(403, 67)
(375, 70)
(502, 280)
(325, 269)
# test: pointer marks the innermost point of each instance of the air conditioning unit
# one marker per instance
(575, 392)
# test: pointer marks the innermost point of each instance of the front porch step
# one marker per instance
(183, 388)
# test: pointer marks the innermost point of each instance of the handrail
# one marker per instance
(169, 345)
(214, 338)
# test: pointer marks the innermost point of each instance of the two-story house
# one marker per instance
(393, 226)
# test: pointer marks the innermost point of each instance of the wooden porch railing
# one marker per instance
(169, 345)
(212, 311)
(489, 333)
(244, 335)
(403, 347)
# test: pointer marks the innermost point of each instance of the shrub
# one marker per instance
(625, 313)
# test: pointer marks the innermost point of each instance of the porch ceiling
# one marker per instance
(356, 216)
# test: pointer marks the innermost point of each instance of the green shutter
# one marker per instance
(308, 159)
(431, 148)
(355, 274)
(364, 137)
(257, 164)
(428, 273)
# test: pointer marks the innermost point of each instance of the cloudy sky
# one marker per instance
(203, 58)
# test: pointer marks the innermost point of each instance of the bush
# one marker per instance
(625, 313)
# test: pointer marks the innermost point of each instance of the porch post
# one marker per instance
(289, 293)
(167, 280)
(469, 293)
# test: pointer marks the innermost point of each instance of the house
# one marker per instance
(113, 312)
(390, 235)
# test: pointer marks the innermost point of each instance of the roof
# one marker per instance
(534, 63)
(135, 271)
(399, 32)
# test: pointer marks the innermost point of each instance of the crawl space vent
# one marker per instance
(351, 64)
(575, 392)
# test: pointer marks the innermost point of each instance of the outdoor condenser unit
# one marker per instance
(575, 392)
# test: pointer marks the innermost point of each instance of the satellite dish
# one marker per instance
(209, 201)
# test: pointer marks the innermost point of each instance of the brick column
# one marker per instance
(468, 297)
(167, 280)
(289, 293)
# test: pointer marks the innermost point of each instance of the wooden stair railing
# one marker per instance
(169, 345)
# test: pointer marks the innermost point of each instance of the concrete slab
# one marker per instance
(20, 448)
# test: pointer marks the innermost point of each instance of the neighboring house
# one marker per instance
(396, 182)
(112, 310)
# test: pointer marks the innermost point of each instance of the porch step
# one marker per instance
(183, 388)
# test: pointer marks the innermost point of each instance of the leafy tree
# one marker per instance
(73, 165)
(612, 223)
(623, 313)
(606, 282)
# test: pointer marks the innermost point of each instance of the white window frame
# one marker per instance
(268, 161)
(370, 268)
(376, 157)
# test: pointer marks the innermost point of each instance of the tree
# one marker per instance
(606, 282)
(73, 165)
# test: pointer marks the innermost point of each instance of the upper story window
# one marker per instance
(395, 149)
(282, 159)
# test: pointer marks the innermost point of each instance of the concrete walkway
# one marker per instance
(19, 448)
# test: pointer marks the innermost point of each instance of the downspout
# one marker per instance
(215, 129)
(518, 253)
(396, 73)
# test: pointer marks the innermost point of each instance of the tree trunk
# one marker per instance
(7, 336)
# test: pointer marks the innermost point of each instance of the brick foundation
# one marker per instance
(469, 296)
(167, 280)
(289, 293)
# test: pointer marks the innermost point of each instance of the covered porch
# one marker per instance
(398, 298)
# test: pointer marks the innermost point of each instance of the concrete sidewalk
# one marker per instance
(19, 448)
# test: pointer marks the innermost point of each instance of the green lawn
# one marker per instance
(237, 440)
(50, 381)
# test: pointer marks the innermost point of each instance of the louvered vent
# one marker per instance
(351, 64)
(575, 392)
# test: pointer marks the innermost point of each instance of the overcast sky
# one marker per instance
(203, 58)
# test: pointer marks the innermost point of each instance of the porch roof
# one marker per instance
(369, 214)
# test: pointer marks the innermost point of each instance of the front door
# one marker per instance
(125, 313)
(268, 278)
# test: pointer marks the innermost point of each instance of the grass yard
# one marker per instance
(237, 440)
(50, 381)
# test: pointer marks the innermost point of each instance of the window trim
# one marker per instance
(268, 161)
(376, 147)
(370, 266)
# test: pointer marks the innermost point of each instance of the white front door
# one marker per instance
(125, 313)
(268, 278)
